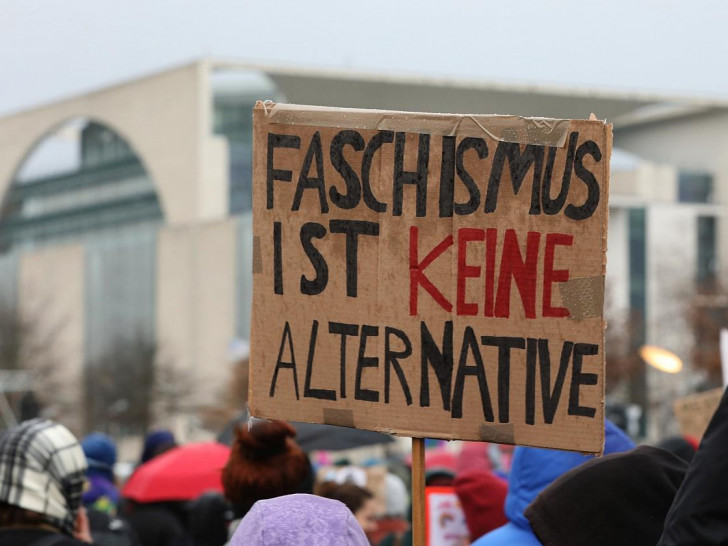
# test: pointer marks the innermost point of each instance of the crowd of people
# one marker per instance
(55, 490)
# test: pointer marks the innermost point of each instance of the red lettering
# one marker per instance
(523, 272)
(465, 271)
(491, 242)
(551, 275)
(417, 271)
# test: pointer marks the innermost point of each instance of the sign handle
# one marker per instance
(418, 492)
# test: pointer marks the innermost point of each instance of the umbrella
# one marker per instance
(183, 473)
(312, 437)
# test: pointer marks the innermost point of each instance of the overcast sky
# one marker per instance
(53, 48)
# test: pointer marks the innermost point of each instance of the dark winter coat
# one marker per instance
(699, 513)
(620, 500)
(37, 537)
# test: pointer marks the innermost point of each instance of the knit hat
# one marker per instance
(265, 462)
(619, 499)
(299, 519)
(100, 452)
(42, 469)
(156, 443)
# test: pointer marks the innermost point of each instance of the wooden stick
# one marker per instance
(418, 492)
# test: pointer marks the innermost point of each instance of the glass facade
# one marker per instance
(110, 205)
(638, 263)
(707, 249)
(695, 187)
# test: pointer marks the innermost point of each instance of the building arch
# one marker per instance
(166, 120)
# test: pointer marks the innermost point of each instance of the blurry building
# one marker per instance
(147, 230)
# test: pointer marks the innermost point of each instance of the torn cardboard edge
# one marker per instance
(516, 129)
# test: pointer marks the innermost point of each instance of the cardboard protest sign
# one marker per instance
(694, 412)
(445, 523)
(430, 275)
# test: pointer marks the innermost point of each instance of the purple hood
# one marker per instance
(299, 519)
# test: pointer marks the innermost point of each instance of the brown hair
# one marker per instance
(14, 516)
(265, 462)
(353, 496)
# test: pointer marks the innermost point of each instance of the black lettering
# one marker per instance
(579, 378)
(353, 186)
(308, 392)
(470, 344)
(481, 148)
(554, 206)
(447, 177)
(313, 230)
(585, 175)
(278, 141)
(343, 330)
(382, 137)
(441, 362)
(280, 364)
(519, 163)
(362, 362)
(418, 178)
(550, 397)
(352, 229)
(391, 360)
(504, 344)
(317, 183)
(277, 259)
(531, 354)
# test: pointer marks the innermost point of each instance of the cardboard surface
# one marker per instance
(431, 275)
(694, 412)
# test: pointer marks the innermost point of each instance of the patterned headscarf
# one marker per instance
(42, 469)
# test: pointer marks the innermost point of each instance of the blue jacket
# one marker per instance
(532, 471)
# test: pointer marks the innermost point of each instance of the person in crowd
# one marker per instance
(101, 493)
(620, 499)
(482, 494)
(208, 519)
(532, 471)
(265, 462)
(684, 447)
(42, 475)
(359, 500)
(156, 443)
(393, 524)
(699, 512)
(108, 530)
(299, 519)
(158, 523)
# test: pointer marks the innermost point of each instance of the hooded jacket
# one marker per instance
(699, 512)
(532, 471)
(621, 499)
(299, 519)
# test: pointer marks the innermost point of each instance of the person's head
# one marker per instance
(100, 452)
(620, 499)
(682, 446)
(42, 475)
(265, 462)
(534, 469)
(208, 518)
(359, 500)
(299, 519)
(156, 443)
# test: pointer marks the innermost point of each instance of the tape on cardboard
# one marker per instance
(517, 129)
(339, 417)
(502, 434)
(584, 298)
